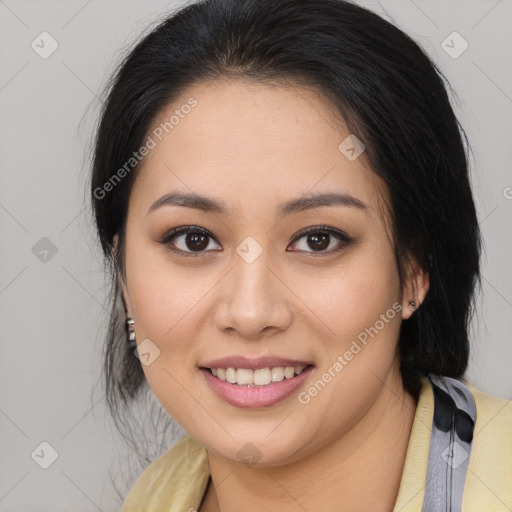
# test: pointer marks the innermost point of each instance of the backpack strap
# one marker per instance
(451, 440)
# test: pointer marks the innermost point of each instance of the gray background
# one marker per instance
(51, 305)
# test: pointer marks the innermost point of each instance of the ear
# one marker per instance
(416, 286)
(124, 289)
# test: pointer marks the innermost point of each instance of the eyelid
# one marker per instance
(321, 229)
(340, 235)
(173, 233)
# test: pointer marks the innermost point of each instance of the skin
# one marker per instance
(257, 146)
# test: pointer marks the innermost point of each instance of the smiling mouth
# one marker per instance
(248, 378)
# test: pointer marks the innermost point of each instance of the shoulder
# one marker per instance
(493, 421)
(489, 478)
(490, 406)
(176, 480)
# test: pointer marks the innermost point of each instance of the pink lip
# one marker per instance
(252, 364)
(257, 397)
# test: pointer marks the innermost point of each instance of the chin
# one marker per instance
(258, 449)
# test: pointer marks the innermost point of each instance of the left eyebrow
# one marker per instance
(319, 201)
(217, 205)
(197, 201)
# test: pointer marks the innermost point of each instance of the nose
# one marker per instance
(253, 299)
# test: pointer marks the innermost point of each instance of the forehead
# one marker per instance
(251, 141)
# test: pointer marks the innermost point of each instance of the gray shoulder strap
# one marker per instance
(450, 444)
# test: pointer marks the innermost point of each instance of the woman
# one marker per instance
(282, 190)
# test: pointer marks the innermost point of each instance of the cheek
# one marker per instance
(163, 299)
(361, 317)
(162, 293)
(352, 296)
(170, 305)
(163, 306)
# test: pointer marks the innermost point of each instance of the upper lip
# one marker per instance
(253, 364)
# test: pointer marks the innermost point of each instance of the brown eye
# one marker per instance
(318, 239)
(187, 240)
(196, 241)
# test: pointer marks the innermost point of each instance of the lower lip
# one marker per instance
(258, 396)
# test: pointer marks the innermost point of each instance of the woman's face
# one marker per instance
(246, 282)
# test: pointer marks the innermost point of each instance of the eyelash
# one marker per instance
(173, 233)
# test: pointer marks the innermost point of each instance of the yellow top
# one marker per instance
(177, 480)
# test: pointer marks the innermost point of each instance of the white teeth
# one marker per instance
(289, 372)
(277, 374)
(261, 377)
(231, 375)
(244, 376)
